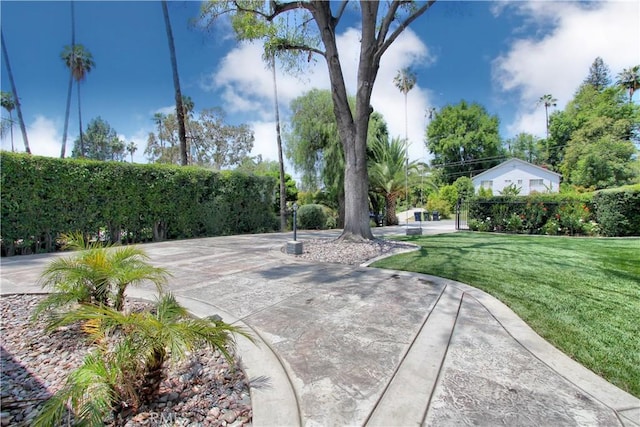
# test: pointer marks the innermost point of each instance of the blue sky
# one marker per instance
(504, 55)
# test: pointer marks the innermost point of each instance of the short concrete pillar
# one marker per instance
(294, 248)
(414, 231)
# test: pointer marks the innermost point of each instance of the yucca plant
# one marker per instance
(127, 367)
(97, 275)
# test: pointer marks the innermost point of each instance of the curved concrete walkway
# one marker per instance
(341, 345)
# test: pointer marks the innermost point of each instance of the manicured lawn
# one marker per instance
(580, 294)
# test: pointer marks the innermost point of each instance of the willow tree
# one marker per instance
(298, 37)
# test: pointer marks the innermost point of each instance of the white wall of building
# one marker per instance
(529, 178)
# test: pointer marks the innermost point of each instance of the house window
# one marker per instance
(486, 184)
(536, 183)
(507, 181)
(519, 182)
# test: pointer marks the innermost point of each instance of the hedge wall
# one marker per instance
(618, 211)
(614, 212)
(43, 197)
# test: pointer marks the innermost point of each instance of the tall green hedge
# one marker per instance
(613, 212)
(44, 197)
(618, 211)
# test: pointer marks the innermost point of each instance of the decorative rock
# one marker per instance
(25, 376)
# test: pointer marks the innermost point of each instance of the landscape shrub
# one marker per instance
(435, 203)
(311, 217)
(571, 213)
(618, 211)
(43, 197)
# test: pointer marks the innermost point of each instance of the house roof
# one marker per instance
(517, 161)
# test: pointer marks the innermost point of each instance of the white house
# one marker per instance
(527, 177)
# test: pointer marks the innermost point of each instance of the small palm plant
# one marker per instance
(126, 369)
(98, 275)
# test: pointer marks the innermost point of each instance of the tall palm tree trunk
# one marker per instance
(13, 148)
(546, 116)
(68, 109)
(283, 190)
(182, 134)
(66, 117)
(80, 123)
(23, 128)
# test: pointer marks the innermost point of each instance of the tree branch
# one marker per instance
(403, 25)
(343, 6)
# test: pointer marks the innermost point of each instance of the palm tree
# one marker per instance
(629, 79)
(14, 90)
(182, 133)
(98, 275)
(80, 63)
(128, 366)
(548, 101)
(9, 105)
(132, 148)
(386, 172)
(405, 80)
(68, 108)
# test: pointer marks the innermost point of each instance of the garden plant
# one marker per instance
(130, 348)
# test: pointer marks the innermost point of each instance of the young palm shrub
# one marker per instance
(127, 367)
(98, 275)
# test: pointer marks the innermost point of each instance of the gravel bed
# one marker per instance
(351, 253)
(200, 391)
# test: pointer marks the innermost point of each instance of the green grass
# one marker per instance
(580, 294)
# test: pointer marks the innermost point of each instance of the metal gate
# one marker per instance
(462, 214)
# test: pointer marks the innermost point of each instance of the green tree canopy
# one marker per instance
(464, 140)
(526, 147)
(211, 141)
(599, 75)
(595, 135)
(101, 142)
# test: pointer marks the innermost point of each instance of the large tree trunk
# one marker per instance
(353, 135)
(182, 133)
(23, 128)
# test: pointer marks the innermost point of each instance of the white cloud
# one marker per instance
(43, 135)
(251, 93)
(265, 140)
(559, 61)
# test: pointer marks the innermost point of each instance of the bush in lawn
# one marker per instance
(435, 203)
(514, 223)
(479, 225)
(551, 228)
(311, 217)
(572, 216)
(618, 211)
